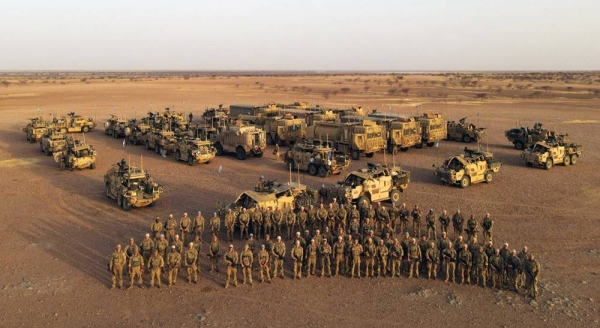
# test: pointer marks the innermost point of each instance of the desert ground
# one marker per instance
(60, 228)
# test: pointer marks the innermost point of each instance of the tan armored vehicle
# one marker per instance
(317, 160)
(194, 151)
(36, 129)
(53, 142)
(269, 109)
(373, 184)
(131, 186)
(74, 123)
(401, 132)
(77, 155)
(524, 137)
(465, 132)
(473, 166)
(137, 131)
(279, 129)
(434, 129)
(163, 142)
(547, 154)
(243, 140)
(115, 126)
(349, 138)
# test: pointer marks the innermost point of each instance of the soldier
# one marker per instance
(269, 247)
(372, 215)
(339, 249)
(257, 222)
(178, 244)
(170, 226)
(174, 263)
(162, 245)
(405, 243)
(247, 260)
(513, 268)
(251, 244)
(279, 256)
(457, 222)
(267, 221)
(311, 254)
(335, 204)
(185, 224)
(488, 228)
(229, 224)
(299, 239)
(367, 227)
(480, 262)
(416, 216)
(532, 272)
(290, 222)
(354, 214)
(496, 267)
(341, 218)
(464, 265)
(156, 227)
(348, 254)
(261, 186)
(382, 259)
(231, 259)
(190, 260)
(414, 257)
(449, 256)
(471, 227)
(523, 256)
(277, 218)
(363, 209)
(404, 215)
(297, 254)
(323, 194)
(369, 252)
(155, 265)
(198, 225)
(318, 238)
(213, 253)
(396, 253)
(354, 226)
(432, 257)
(146, 247)
(321, 217)
(444, 221)
(215, 224)
(264, 264)
(130, 248)
(424, 246)
(244, 219)
(387, 231)
(115, 267)
(302, 217)
(505, 254)
(356, 250)
(443, 242)
(311, 218)
(394, 215)
(325, 255)
(327, 235)
(136, 268)
(430, 221)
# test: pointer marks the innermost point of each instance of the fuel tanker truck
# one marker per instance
(354, 138)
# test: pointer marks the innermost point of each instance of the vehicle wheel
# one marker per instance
(404, 149)
(152, 204)
(278, 140)
(115, 134)
(369, 155)
(107, 190)
(567, 160)
(391, 149)
(489, 176)
(355, 154)
(191, 160)
(528, 164)
(125, 204)
(93, 166)
(323, 172)
(63, 166)
(466, 139)
(120, 201)
(270, 139)
(395, 196)
(31, 139)
(240, 153)
(27, 137)
(47, 152)
(520, 145)
(259, 154)
(313, 169)
(363, 199)
(177, 155)
(448, 137)
(290, 165)
(549, 164)
(135, 141)
(219, 149)
(85, 129)
(574, 159)
(147, 145)
(157, 149)
(465, 182)
(419, 145)
(430, 144)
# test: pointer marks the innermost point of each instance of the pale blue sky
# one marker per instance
(300, 35)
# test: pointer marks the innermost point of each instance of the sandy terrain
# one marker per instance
(60, 228)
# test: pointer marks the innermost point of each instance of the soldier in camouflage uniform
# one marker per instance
(404, 215)
(190, 260)
(198, 225)
(277, 218)
(464, 265)
(325, 255)
(257, 222)
(430, 221)
(513, 268)
(496, 268)
(357, 250)
(170, 226)
(178, 244)
(264, 264)
(213, 254)
(432, 257)
(215, 224)
(297, 254)
(449, 256)
(416, 216)
(115, 267)
(321, 217)
(174, 263)
(268, 221)
(244, 219)
(156, 227)
(246, 261)
(130, 248)
(279, 256)
(457, 222)
(185, 224)
(311, 254)
(488, 228)
(162, 245)
(229, 224)
(339, 250)
(382, 259)
(444, 221)
(155, 265)
(231, 260)
(396, 254)
(414, 257)
(146, 246)
(471, 227)
(290, 222)
(532, 272)
(302, 217)
(369, 252)
(341, 219)
(136, 268)
(481, 262)
(311, 218)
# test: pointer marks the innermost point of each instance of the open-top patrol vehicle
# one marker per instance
(317, 160)
(78, 154)
(374, 183)
(115, 126)
(546, 154)
(74, 123)
(53, 142)
(163, 142)
(465, 132)
(36, 129)
(194, 151)
(524, 137)
(473, 166)
(131, 186)
(243, 140)
(137, 131)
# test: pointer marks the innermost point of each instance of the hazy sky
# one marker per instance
(300, 35)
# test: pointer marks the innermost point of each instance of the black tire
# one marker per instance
(362, 199)
(323, 172)
(259, 154)
(391, 149)
(448, 137)
(395, 196)
(465, 182)
(489, 176)
(567, 160)
(107, 190)
(135, 141)
(404, 149)
(466, 139)
(115, 134)
(63, 165)
(27, 137)
(430, 144)
(240, 153)
(85, 129)
(157, 149)
(125, 205)
(31, 139)
(119, 201)
(219, 149)
(520, 145)
(369, 155)
(177, 155)
(313, 169)
(419, 145)
(93, 166)
(574, 159)
(191, 160)
(270, 139)
(355, 154)
(528, 164)
(548, 164)
(147, 145)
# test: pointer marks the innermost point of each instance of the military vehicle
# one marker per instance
(317, 160)
(374, 183)
(74, 123)
(434, 129)
(465, 132)
(242, 140)
(269, 109)
(77, 155)
(36, 129)
(194, 151)
(473, 166)
(163, 142)
(216, 117)
(546, 154)
(131, 186)
(523, 137)
(137, 131)
(115, 126)
(278, 129)
(53, 142)
(401, 132)
(355, 139)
